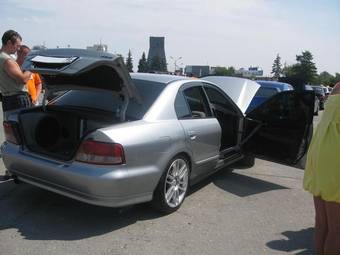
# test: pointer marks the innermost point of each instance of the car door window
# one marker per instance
(181, 107)
(197, 102)
(219, 101)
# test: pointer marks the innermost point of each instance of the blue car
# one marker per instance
(267, 90)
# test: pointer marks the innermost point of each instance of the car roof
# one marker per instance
(280, 85)
(161, 78)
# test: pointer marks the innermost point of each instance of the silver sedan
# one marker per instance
(114, 139)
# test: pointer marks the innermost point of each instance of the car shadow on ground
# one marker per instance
(295, 242)
(237, 184)
(42, 215)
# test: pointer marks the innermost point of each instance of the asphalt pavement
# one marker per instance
(261, 210)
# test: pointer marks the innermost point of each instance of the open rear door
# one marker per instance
(280, 129)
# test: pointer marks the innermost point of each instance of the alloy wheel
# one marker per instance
(176, 182)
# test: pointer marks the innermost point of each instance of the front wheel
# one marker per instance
(173, 186)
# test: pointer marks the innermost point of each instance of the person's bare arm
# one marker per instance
(38, 87)
(14, 71)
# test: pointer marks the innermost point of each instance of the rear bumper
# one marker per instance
(99, 185)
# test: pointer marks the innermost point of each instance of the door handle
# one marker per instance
(192, 135)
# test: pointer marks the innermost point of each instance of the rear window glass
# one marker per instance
(266, 92)
(110, 102)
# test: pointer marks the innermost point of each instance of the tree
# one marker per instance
(277, 67)
(129, 64)
(303, 72)
(157, 64)
(163, 66)
(336, 79)
(325, 78)
(223, 71)
(143, 64)
(306, 68)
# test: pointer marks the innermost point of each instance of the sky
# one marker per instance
(239, 33)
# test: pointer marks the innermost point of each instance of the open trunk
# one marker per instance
(58, 131)
(98, 91)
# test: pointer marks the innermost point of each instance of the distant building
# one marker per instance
(197, 71)
(157, 50)
(98, 47)
(212, 70)
(250, 72)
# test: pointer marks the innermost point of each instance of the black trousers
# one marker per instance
(17, 101)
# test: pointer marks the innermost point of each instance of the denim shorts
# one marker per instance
(17, 101)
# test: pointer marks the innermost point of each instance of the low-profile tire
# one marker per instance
(173, 186)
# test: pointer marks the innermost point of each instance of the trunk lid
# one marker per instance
(81, 69)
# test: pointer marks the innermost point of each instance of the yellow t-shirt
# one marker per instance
(322, 174)
(32, 86)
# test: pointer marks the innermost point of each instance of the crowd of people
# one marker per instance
(21, 89)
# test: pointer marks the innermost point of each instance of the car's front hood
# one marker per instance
(80, 69)
(240, 90)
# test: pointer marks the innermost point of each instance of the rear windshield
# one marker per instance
(266, 92)
(110, 102)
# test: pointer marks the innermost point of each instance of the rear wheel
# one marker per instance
(173, 186)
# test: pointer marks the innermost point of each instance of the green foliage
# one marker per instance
(304, 71)
(306, 68)
(277, 67)
(336, 78)
(143, 64)
(223, 71)
(325, 78)
(157, 64)
(129, 63)
(163, 66)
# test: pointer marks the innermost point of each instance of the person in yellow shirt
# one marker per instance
(322, 176)
(34, 84)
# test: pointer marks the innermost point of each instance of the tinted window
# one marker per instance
(266, 92)
(181, 106)
(215, 96)
(107, 101)
(197, 102)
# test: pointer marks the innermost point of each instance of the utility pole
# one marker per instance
(175, 61)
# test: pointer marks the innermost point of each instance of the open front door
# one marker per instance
(280, 129)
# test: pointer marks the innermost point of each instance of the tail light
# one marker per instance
(11, 132)
(100, 153)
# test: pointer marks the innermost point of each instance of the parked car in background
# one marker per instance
(115, 139)
(320, 93)
(267, 90)
(316, 99)
(326, 91)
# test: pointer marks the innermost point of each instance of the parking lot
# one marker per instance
(261, 210)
